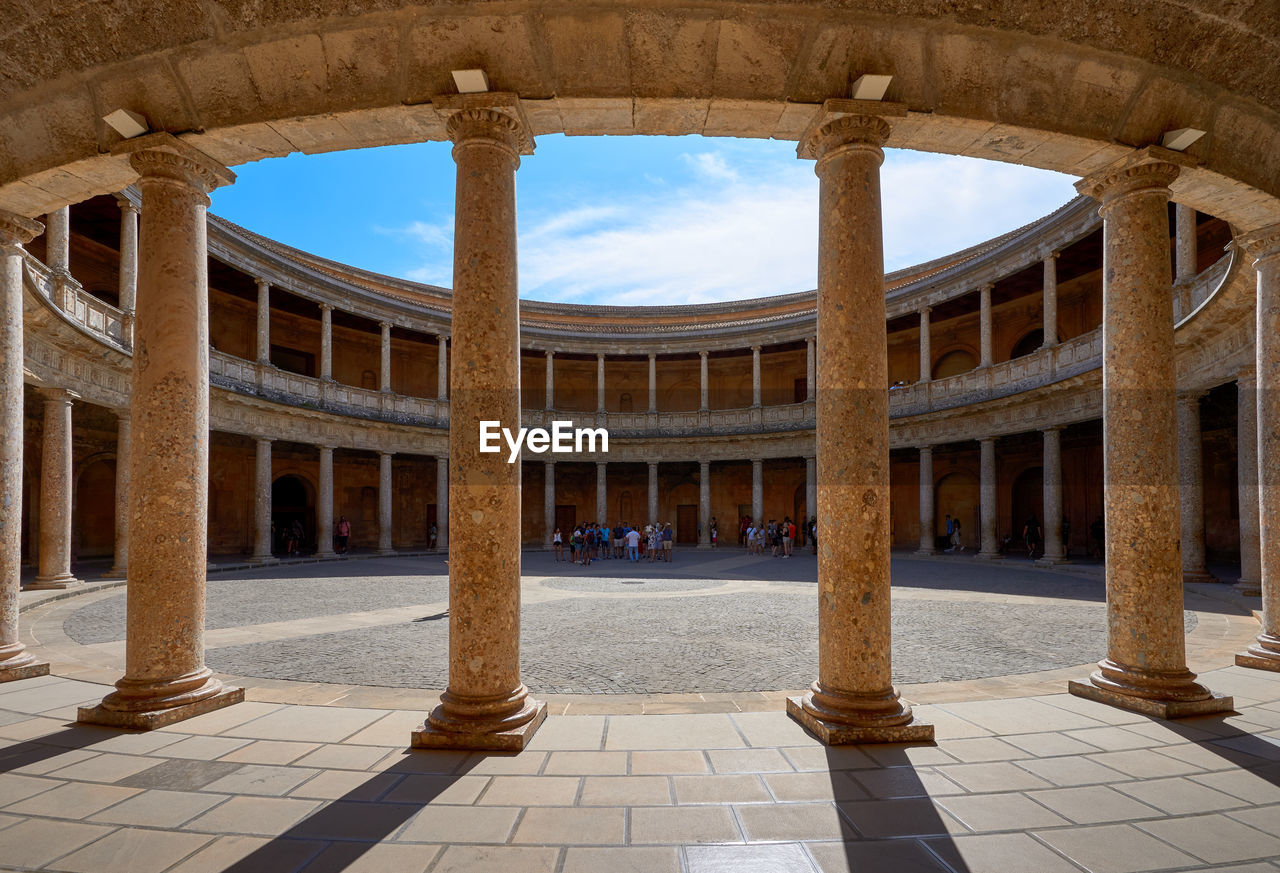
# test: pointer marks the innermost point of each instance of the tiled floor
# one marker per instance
(1039, 783)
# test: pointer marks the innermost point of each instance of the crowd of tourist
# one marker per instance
(778, 538)
(596, 542)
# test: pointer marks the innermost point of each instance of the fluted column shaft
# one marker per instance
(704, 503)
(1264, 246)
(1050, 319)
(985, 342)
(653, 494)
(1145, 667)
(1191, 488)
(55, 492)
(928, 524)
(1051, 467)
(166, 679)
(15, 231)
(1250, 581)
(987, 498)
(262, 480)
(757, 490)
(324, 504)
(485, 704)
(124, 440)
(385, 498)
(926, 346)
(264, 322)
(853, 699)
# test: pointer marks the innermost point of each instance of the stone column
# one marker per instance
(704, 504)
(324, 505)
(1264, 246)
(755, 376)
(757, 490)
(653, 494)
(549, 499)
(1185, 253)
(120, 561)
(811, 363)
(485, 705)
(989, 548)
(55, 492)
(128, 287)
(15, 231)
(1191, 488)
(928, 523)
(551, 380)
(1051, 467)
(262, 481)
(442, 504)
(986, 353)
(384, 504)
(653, 382)
(602, 492)
(1145, 668)
(442, 371)
(599, 382)
(811, 487)
(166, 679)
(326, 342)
(384, 377)
(1250, 581)
(704, 384)
(1050, 319)
(58, 240)
(926, 346)
(264, 321)
(853, 699)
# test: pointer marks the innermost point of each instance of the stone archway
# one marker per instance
(955, 362)
(956, 494)
(1026, 499)
(293, 499)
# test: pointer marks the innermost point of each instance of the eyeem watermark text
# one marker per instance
(563, 437)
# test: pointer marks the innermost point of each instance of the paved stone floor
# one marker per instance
(316, 776)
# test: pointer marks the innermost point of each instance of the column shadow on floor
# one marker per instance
(1233, 744)
(72, 738)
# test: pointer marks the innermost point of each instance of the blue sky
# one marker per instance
(629, 220)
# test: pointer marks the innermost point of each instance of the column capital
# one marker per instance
(600, 464)
(16, 230)
(384, 325)
(263, 284)
(550, 354)
(757, 460)
(123, 413)
(756, 349)
(326, 307)
(1262, 244)
(1246, 375)
(494, 116)
(442, 338)
(653, 465)
(987, 288)
(57, 395)
(126, 204)
(924, 310)
(549, 464)
(705, 463)
(704, 354)
(1151, 167)
(382, 454)
(599, 356)
(1191, 395)
(1053, 428)
(843, 122)
(1051, 256)
(925, 450)
(985, 440)
(163, 155)
(261, 440)
(323, 446)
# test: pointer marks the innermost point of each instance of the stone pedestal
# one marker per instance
(1145, 669)
(1264, 246)
(1191, 488)
(485, 705)
(989, 550)
(15, 231)
(1250, 581)
(166, 679)
(120, 563)
(55, 492)
(853, 699)
(1054, 548)
(928, 523)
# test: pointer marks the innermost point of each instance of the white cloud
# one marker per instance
(747, 228)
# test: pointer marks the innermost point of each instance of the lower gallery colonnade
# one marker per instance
(162, 469)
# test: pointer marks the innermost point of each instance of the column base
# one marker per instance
(116, 573)
(1198, 576)
(925, 553)
(326, 555)
(835, 734)
(988, 556)
(1051, 562)
(49, 583)
(386, 553)
(428, 736)
(1248, 587)
(27, 669)
(263, 559)
(1166, 709)
(146, 721)
(1264, 654)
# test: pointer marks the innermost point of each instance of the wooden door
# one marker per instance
(687, 524)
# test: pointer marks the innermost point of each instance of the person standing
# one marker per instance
(1031, 535)
(668, 542)
(714, 532)
(433, 536)
(343, 529)
(951, 538)
(633, 545)
(788, 536)
(557, 543)
(957, 544)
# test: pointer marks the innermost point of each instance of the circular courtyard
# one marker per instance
(711, 622)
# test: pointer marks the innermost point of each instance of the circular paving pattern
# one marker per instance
(623, 630)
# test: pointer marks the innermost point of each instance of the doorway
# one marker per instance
(687, 523)
(293, 506)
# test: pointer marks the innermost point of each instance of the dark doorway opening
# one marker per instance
(293, 512)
